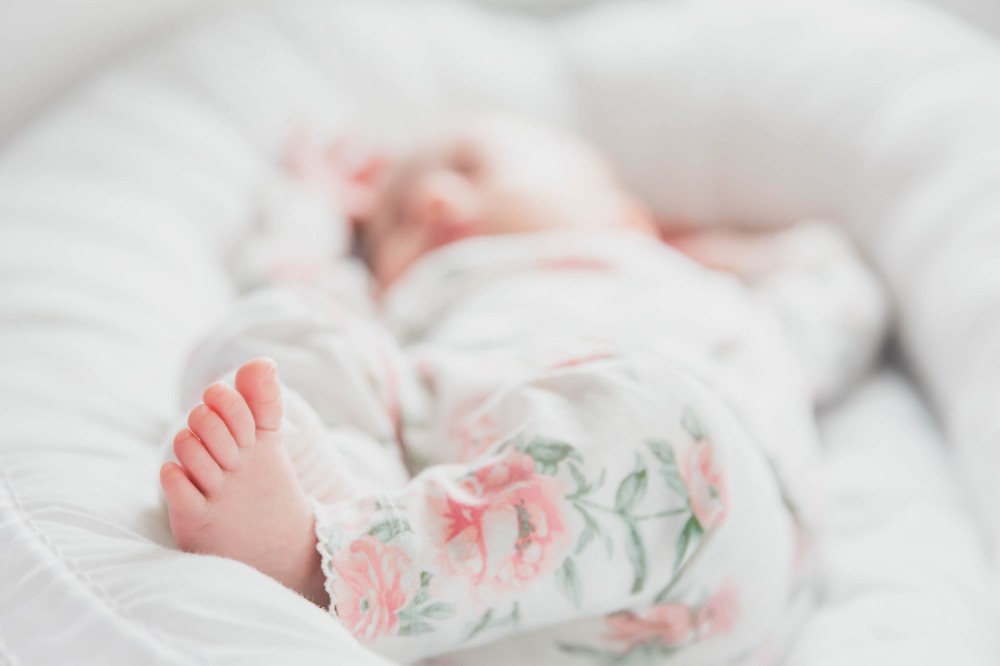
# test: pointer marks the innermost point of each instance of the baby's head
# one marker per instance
(493, 175)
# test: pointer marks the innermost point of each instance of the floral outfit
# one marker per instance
(577, 448)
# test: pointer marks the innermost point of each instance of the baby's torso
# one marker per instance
(537, 300)
(489, 312)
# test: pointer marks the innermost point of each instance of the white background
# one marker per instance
(48, 45)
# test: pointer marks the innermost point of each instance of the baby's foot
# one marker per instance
(234, 493)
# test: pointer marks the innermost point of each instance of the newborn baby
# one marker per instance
(553, 432)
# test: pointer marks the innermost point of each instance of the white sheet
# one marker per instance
(905, 572)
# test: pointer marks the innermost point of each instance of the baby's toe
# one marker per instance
(182, 495)
(233, 410)
(199, 465)
(215, 434)
(257, 381)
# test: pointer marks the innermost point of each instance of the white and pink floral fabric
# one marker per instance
(578, 449)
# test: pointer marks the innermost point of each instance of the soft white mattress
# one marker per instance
(121, 214)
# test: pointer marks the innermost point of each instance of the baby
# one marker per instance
(552, 423)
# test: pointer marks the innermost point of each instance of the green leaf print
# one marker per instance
(591, 529)
(568, 581)
(569, 648)
(487, 622)
(636, 555)
(414, 628)
(412, 619)
(582, 487)
(692, 425)
(663, 451)
(630, 491)
(663, 594)
(422, 594)
(587, 517)
(390, 528)
(692, 532)
(668, 470)
(673, 479)
(586, 536)
(548, 454)
(438, 611)
(484, 622)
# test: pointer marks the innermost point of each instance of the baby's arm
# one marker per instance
(305, 218)
(832, 305)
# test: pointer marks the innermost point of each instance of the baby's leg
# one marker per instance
(619, 494)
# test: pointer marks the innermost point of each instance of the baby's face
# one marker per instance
(495, 175)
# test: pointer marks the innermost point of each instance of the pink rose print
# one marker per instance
(663, 624)
(719, 614)
(672, 624)
(504, 525)
(373, 582)
(705, 483)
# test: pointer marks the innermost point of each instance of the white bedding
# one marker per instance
(905, 577)
(118, 216)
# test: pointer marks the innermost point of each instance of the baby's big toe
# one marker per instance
(257, 382)
(182, 495)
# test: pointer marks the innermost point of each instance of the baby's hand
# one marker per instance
(343, 172)
(748, 254)
(753, 254)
